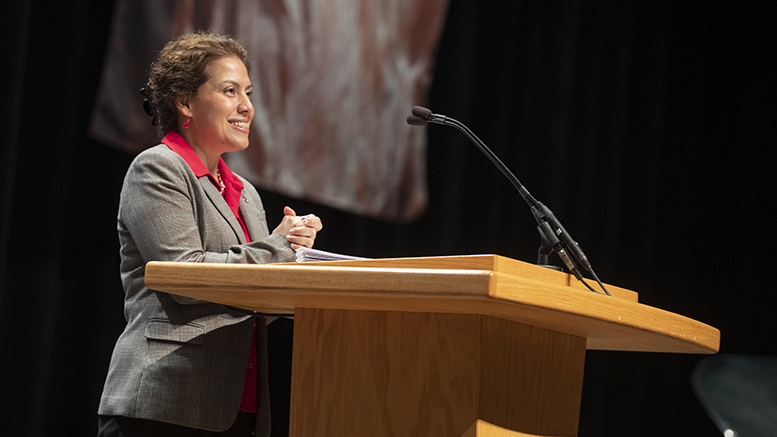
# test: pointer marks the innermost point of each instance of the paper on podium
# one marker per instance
(305, 254)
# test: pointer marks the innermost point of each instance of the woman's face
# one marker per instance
(221, 112)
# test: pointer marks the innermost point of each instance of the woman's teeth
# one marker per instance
(239, 124)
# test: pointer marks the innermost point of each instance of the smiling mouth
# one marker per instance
(240, 124)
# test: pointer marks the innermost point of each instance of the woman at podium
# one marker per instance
(183, 366)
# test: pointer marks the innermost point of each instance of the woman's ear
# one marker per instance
(183, 107)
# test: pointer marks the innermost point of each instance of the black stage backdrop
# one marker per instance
(643, 125)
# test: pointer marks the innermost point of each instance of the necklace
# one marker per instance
(221, 183)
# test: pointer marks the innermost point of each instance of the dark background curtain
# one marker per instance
(645, 126)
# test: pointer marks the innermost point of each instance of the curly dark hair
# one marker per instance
(181, 69)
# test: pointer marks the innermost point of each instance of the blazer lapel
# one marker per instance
(221, 205)
(254, 218)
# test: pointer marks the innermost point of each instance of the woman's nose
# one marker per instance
(245, 104)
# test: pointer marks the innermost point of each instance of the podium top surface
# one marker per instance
(490, 285)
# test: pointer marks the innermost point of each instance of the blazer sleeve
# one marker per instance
(166, 215)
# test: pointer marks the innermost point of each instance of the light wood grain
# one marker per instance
(533, 378)
(493, 263)
(384, 373)
(481, 428)
(607, 323)
(448, 346)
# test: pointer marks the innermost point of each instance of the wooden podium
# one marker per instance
(470, 346)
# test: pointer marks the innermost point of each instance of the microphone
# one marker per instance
(553, 234)
(419, 116)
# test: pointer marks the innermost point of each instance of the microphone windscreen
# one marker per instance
(420, 111)
(415, 120)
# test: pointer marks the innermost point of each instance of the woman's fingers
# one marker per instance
(312, 221)
(302, 236)
(300, 231)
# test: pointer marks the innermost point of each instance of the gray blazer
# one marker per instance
(181, 360)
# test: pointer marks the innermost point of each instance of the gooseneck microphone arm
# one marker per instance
(447, 121)
(553, 234)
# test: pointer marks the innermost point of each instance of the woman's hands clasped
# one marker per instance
(299, 231)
